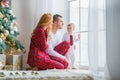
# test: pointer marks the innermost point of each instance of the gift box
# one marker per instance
(2, 61)
(13, 62)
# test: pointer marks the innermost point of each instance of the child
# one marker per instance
(70, 37)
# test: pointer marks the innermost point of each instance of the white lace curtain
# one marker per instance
(97, 36)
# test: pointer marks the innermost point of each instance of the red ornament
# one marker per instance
(4, 2)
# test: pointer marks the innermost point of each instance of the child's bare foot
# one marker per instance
(68, 68)
(74, 68)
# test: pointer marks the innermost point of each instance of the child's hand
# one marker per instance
(78, 36)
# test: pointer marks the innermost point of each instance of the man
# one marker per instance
(56, 47)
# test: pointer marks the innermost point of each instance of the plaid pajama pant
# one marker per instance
(42, 61)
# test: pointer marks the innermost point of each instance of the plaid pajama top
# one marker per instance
(38, 46)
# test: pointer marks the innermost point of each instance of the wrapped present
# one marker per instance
(14, 62)
(2, 61)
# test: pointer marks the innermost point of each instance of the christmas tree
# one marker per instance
(8, 29)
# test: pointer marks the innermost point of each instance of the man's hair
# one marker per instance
(55, 17)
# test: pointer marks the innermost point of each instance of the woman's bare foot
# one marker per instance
(35, 69)
(29, 69)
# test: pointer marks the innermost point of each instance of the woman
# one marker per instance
(37, 56)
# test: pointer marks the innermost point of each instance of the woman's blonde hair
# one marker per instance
(43, 22)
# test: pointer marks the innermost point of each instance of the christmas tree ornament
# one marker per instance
(6, 33)
(23, 73)
(2, 74)
(17, 74)
(1, 27)
(11, 74)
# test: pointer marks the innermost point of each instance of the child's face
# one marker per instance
(70, 29)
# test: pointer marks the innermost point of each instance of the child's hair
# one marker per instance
(71, 24)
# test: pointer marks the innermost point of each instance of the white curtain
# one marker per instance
(41, 7)
(97, 37)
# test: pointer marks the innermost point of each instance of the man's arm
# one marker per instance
(52, 52)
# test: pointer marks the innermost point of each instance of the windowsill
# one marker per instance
(76, 74)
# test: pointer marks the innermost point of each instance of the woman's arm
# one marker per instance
(39, 39)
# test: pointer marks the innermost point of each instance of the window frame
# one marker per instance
(80, 66)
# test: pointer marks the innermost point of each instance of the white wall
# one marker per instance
(28, 13)
(113, 38)
(24, 11)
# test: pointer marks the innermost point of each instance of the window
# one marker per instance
(79, 13)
